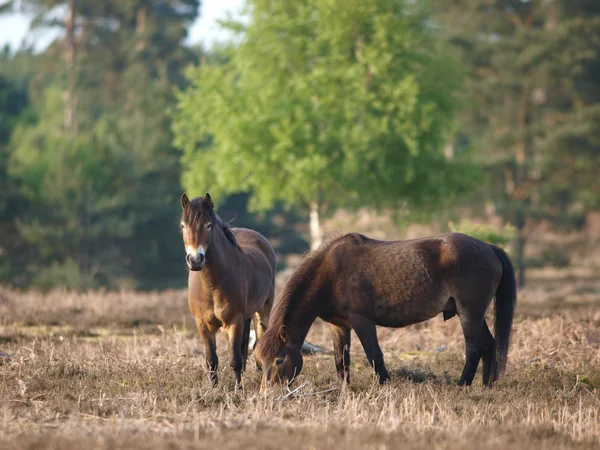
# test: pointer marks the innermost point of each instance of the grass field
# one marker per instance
(123, 370)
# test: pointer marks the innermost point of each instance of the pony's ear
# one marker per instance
(185, 201)
(208, 201)
(283, 334)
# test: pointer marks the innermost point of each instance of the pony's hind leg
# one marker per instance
(488, 356)
(210, 351)
(341, 350)
(473, 332)
(245, 342)
(260, 326)
(367, 333)
(261, 321)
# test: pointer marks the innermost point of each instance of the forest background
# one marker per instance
(389, 118)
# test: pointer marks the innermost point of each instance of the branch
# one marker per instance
(290, 393)
(513, 18)
(529, 19)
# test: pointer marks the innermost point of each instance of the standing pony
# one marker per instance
(231, 281)
(354, 282)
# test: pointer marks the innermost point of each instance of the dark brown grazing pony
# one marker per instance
(357, 282)
(231, 281)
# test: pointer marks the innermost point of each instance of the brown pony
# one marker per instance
(231, 281)
(354, 282)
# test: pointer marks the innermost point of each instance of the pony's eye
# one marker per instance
(208, 226)
(279, 361)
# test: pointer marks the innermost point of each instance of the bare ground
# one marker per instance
(125, 370)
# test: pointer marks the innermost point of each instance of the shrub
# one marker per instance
(486, 233)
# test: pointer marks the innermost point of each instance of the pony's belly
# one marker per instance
(397, 314)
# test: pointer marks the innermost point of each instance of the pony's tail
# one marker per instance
(504, 309)
(245, 341)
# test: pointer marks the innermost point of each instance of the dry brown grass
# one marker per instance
(126, 370)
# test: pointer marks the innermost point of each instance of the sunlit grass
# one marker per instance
(87, 372)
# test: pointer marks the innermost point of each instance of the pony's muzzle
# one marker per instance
(195, 262)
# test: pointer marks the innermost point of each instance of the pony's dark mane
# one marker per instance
(229, 234)
(269, 344)
(199, 209)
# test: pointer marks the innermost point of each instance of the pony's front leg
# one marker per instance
(210, 349)
(341, 350)
(367, 333)
(235, 331)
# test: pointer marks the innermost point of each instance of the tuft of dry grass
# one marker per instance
(125, 370)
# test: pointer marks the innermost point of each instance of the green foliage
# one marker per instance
(94, 169)
(13, 104)
(551, 257)
(533, 90)
(74, 186)
(14, 110)
(486, 233)
(90, 180)
(67, 274)
(325, 102)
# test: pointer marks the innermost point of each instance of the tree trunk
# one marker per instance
(518, 248)
(519, 257)
(316, 233)
(140, 26)
(70, 101)
(517, 177)
(88, 203)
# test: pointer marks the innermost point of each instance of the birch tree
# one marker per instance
(325, 103)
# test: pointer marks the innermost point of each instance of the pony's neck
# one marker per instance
(301, 312)
(302, 325)
(221, 255)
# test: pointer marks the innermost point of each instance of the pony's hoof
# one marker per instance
(385, 380)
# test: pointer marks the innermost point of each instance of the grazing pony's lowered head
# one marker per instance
(197, 221)
(279, 350)
(281, 363)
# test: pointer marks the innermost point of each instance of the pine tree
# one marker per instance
(534, 102)
(14, 109)
(98, 166)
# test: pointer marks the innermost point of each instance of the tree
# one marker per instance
(97, 166)
(534, 90)
(325, 103)
(89, 177)
(14, 109)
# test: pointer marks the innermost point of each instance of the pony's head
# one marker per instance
(196, 227)
(281, 362)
